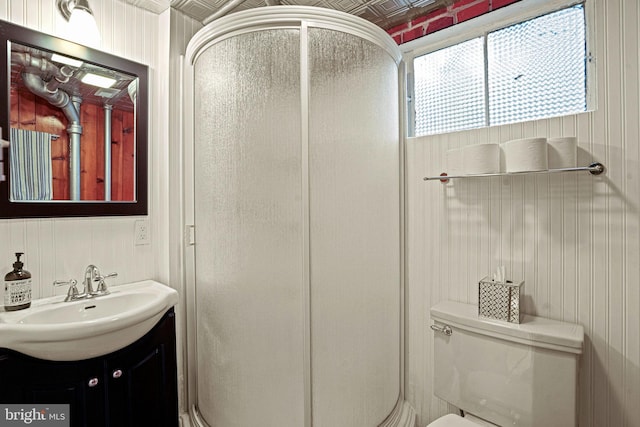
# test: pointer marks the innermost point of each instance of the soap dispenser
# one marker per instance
(17, 287)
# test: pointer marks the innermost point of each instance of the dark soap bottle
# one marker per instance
(17, 287)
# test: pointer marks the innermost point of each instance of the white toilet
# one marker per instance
(505, 374)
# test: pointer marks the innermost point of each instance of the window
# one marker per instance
(531, 70)
(450, 88)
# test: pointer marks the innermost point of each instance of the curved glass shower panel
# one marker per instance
(248, 214)
(354, 182)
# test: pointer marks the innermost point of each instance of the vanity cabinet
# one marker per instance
(135, 386)
(26, 380)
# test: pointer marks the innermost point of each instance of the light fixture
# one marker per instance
(82, 27)
(66, 60)
(98, 80)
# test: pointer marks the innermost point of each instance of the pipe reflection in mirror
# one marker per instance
(74, 130)
(107, 151)
(133, 94)
(58, 98)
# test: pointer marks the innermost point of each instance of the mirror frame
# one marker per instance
(8, 209)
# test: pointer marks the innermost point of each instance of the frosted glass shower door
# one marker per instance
(248, 216)
(354, 194)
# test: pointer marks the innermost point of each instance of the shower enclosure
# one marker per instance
(294, 186)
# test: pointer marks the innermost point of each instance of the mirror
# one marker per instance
(76, 122)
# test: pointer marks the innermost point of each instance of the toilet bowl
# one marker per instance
(501, 373)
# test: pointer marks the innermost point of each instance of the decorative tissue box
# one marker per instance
(500, 300)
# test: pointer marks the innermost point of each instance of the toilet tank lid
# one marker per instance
(535, 331)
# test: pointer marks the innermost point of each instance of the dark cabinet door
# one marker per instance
(25, 380)
(142, 381)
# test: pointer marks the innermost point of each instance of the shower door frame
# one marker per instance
(287, 17)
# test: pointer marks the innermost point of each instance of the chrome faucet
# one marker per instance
(91, 275)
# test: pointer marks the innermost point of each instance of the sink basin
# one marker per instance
(52, 329)
(87, 311)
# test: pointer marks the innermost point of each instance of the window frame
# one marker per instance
(479, 27)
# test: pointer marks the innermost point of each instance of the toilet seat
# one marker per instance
(452, 420)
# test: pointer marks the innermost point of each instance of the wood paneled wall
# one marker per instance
(574, 239)
(32, 112)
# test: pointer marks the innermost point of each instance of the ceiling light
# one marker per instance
(98, 80)
(66, 60)
(82, 27)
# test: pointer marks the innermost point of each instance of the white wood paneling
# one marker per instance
(574, 239)
(62, 248)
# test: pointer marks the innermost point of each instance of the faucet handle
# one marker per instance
(72, 282)
(73, 289)
(102, 284)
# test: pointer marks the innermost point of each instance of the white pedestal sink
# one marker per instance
(52, 329)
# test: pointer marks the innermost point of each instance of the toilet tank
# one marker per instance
(509, 374)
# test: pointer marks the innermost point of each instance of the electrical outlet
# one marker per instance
(142, 233)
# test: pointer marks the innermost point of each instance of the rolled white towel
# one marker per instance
(481, 158)
(563, 152)
(529, 154)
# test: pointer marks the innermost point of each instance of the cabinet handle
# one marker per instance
(93, 382)
(117, 373)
